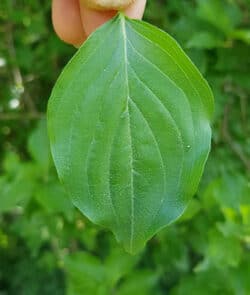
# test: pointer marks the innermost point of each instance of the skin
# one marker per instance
(73, 22)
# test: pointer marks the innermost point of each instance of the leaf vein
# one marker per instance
(163, 166)
(91, 144)
(172, 58)
(168, 112)
(130, 136)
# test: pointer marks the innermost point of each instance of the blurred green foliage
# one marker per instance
(47, 246)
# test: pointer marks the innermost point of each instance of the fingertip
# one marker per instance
(92, 19)
(136, 9)
(67, 23)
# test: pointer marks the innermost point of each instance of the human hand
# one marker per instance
(74, 22)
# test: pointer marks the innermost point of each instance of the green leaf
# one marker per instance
(11, 163)
(17, 189)
(38, 145)
(85, 275)
(223, 15)
(193, 208)
(204, 40)
(207, 282)
(53, 199)
(230, 191)
(141, 283)
(89, 275)
(223, 251)
(118, 264)
(129, 128)
(243, 35)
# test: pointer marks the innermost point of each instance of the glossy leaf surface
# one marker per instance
(129, 129)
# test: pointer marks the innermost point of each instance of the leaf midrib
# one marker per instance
(132, 221)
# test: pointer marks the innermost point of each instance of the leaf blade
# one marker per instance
(135, 157)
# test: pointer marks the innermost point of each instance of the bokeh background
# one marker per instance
(46, 246)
